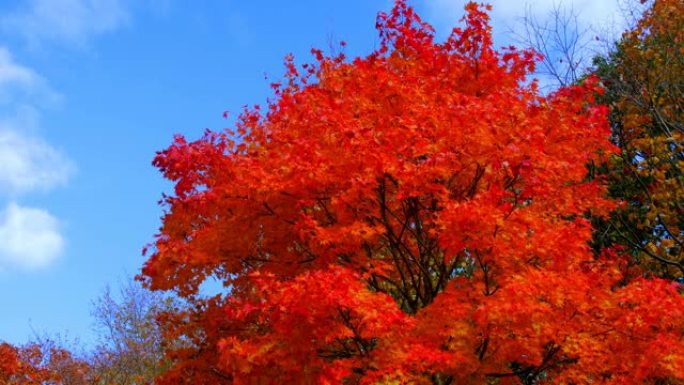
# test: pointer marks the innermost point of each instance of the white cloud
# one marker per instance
(27, 163)
(29, 238)
(13, 73)
(66, 21)
(20, 84)
(30, 164)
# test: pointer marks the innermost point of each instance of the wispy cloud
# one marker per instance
(21, 85)
(27, 162)
(30, 238)
(65, 21)
(12, 73)
(30, 164)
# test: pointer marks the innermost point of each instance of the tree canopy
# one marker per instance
(416, 216)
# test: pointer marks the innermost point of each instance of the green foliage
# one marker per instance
(644, 79)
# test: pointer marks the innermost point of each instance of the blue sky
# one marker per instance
(91, 89)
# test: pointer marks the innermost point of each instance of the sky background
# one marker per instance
(91, 89)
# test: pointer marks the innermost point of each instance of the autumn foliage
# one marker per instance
(645, 83)
(417, 216)
(34, 364)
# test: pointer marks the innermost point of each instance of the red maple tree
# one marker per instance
(417, 216)
(33, 364)
(9, 362)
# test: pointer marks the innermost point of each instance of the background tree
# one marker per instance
(417, 216)
(130, 347)
(566, 46)
(644, 79)
(10, 365)
(41, 363)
